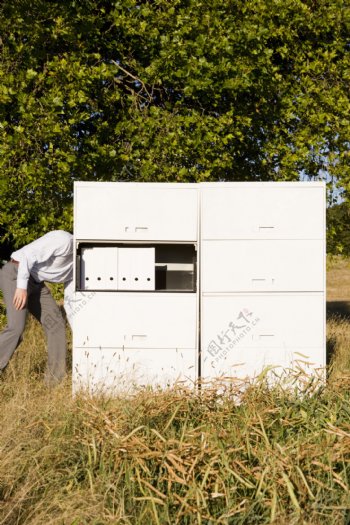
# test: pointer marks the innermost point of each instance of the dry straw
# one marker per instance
(177, 456)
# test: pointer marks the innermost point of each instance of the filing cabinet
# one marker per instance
(180, 282)
(135, 272)
(262, 278)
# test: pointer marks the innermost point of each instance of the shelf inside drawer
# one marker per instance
(158, 267)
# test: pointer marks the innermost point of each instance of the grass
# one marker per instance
(175, 457)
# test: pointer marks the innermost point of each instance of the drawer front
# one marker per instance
(263, 212)
(262, 265)
(116, 369)
(231, 324)
(250, 363)
(135, 320)
(140, 212)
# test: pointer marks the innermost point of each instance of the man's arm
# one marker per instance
(26, 259)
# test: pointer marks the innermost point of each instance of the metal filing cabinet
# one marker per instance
(262, 278)
(138, 325)
(159, 267)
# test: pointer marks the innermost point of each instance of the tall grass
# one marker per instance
(174, 457)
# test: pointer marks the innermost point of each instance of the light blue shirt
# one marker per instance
(49, 258)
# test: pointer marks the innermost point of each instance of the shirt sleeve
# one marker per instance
(26, 261)
(39, 251)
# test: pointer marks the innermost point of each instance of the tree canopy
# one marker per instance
(166, 90)
(338, 218)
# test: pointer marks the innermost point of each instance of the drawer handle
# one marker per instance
(266, 227)
(256, 279)
(138, 336)
(136, 229)
(266, 335)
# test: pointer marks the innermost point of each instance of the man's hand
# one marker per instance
(20, 298)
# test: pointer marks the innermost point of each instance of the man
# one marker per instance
(49, 258)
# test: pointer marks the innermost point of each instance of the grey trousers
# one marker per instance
(42, 305)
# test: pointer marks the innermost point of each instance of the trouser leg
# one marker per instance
(43, 306)
(10, 337)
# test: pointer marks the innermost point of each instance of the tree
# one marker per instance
(179, 90)
(338, 217)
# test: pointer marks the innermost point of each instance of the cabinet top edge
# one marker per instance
(187, 185)
(195, 185)
(268, 184)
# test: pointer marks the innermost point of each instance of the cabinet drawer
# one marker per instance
(117, 369)
(250, 363)
(262, 265)
(123, 211)
(135, 320)
(233, 323)
(263, 212)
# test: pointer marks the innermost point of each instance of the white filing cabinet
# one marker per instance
(262, 278)
(160, 267)
(136, 277)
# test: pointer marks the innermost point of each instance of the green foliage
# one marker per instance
(180, 90)
(338, 219)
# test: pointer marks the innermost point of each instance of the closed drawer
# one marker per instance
(281, 362)
(233, 323)
(135, 320)
(121, 370)
(122, 211)
(262, 265)
(263, 212)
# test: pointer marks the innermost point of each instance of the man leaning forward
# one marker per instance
(22, 281)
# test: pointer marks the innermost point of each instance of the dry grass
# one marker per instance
(338, 279)
(176, 457)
